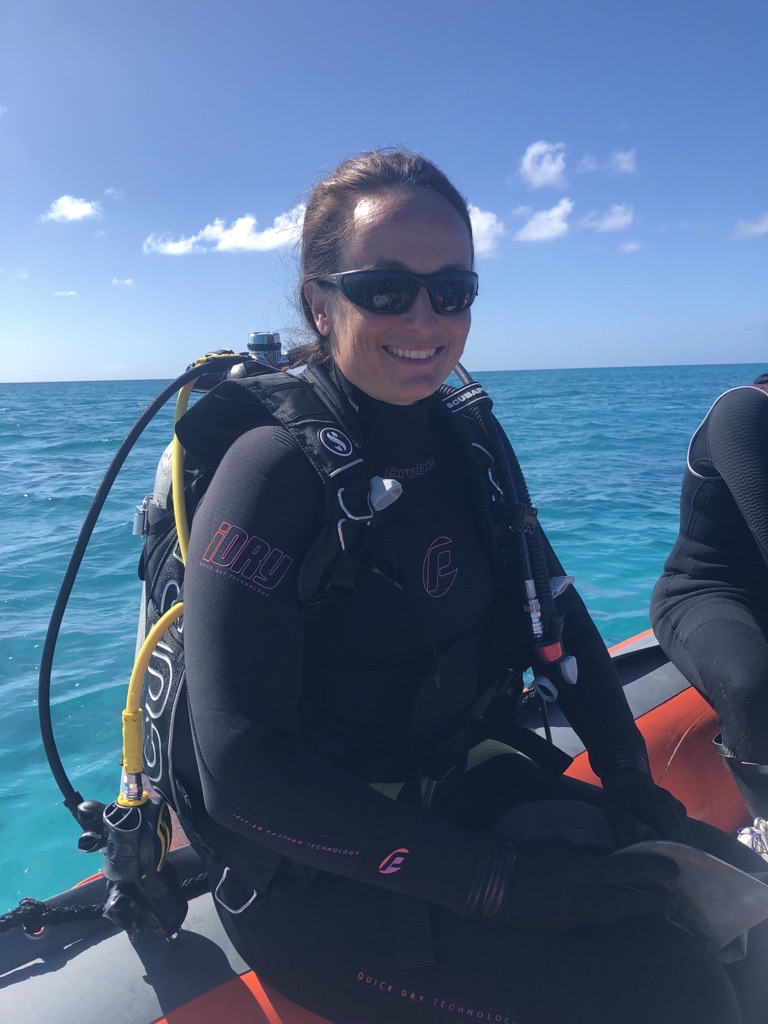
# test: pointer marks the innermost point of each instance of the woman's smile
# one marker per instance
(405, 353)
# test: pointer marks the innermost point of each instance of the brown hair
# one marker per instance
(331, 204)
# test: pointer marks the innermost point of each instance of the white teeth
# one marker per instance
(407, 353)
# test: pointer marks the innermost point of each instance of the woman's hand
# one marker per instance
(633, 796)
(557, 885)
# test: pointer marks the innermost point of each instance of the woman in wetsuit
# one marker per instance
(710, 608)
(385, 898)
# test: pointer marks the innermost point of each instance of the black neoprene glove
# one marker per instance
(632, 796)
(557, 885)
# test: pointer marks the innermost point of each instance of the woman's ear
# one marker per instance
(317, 300)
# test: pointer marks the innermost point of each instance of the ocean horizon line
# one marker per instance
(540, 369)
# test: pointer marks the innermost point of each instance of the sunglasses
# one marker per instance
(394, 291)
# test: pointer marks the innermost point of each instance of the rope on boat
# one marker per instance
(35, 915)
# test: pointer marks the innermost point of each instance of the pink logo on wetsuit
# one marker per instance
(393, 861)
(247, 558)
(437, 572)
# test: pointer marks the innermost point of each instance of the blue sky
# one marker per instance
(155, 156)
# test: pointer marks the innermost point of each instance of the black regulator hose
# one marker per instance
(71, 797)
(551, 617)
(515, 486)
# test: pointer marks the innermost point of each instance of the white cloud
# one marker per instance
(543, 164)
(65, 295)
(117, 368)
(547, 224)
(487, 229)
(241, 236)
(751, 229)
(630, 247)
(125, 282)
(167, 247)
(587, 164)
(3, 110)
(67, 208)
(623, 161)
(618, 218)
(23, 273)
(114, 193)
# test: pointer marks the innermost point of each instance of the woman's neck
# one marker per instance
(373, 413)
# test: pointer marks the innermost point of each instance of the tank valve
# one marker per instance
(266, 347)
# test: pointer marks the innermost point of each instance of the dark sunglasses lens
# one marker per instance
(453, 293)
(380, 291)
(393, 291)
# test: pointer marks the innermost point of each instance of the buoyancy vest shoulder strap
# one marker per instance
(500, 512)
(481, 460)
(312, 410)
(554, 665)
(237, 405)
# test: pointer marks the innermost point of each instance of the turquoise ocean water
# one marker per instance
(603, 452)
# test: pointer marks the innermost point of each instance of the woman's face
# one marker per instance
(405, 357)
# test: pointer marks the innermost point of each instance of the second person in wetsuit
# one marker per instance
(710, 608)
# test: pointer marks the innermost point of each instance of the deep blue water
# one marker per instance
(603, 452)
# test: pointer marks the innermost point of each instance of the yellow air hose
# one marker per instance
(132, 793)
(133, 759)
(177, 476)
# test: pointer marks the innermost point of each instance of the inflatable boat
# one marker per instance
(63, 963)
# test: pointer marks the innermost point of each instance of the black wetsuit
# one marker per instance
(710, 608)
(286, 707)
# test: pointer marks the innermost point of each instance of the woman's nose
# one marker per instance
(421, 314)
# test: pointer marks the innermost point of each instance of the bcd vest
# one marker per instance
(317, 416)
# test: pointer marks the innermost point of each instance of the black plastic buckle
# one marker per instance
(523, 517)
